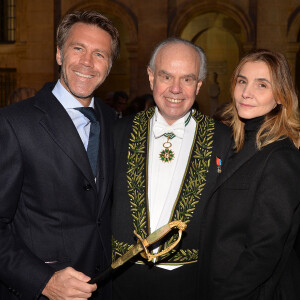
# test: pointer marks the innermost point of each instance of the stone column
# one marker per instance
(132, 49)
(291, 56)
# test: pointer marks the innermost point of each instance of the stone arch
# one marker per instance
(185, 13)
(127, 64)
(294, 25)
(293, 46)
(118, 10)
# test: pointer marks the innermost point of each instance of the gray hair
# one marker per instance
(174, 40)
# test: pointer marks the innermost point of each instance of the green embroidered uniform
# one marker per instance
(130, 203)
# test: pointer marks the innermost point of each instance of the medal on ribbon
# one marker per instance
(219, 164)
(167, 154)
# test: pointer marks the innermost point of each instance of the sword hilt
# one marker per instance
(157, 235)
(141, 246)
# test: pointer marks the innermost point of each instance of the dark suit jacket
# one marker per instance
(52, 214)
(250, 226)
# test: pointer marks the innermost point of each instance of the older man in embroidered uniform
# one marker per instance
(168, 159)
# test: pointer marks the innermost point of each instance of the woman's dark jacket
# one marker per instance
(251, 223)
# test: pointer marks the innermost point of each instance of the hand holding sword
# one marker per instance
(142, 248)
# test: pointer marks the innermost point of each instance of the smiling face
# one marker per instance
(175, 80)
(253, 93)
(85, 60)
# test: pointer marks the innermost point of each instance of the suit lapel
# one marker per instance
(102, 174)
(137, 172)
(61, 129)
(235, 162)
(194, 183)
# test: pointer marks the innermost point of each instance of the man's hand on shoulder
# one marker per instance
(69, 284)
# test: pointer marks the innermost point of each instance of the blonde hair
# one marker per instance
(284, 120)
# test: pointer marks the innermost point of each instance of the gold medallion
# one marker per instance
(167, 154)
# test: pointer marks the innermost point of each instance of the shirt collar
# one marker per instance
(159, 118)
(66, 99)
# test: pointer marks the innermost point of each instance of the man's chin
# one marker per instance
(82, 96)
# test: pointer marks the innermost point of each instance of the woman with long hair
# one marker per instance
(251, 221)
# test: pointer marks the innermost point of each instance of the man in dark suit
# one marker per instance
(54, 203)
(168, 159)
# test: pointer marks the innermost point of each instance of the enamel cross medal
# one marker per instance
(167, 155)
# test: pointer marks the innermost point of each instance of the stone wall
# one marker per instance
(224, 28)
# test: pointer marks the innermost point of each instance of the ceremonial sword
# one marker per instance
(141, 247)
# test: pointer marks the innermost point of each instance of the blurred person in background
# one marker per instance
(21, 94)
(120, 100)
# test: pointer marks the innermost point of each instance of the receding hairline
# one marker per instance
(180, 44)
(178, 41)
(175, 43)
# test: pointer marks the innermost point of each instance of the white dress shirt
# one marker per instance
(165, 178)
(69, 102)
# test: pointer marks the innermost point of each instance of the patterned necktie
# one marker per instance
(94, 137)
